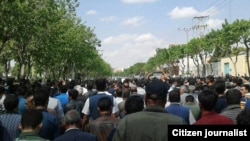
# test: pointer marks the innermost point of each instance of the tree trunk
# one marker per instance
(247, 58)
(211, 67)
(6, 68)
(203, 71)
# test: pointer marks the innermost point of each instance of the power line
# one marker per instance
(200, 24)
(186, 30)
(216, 3)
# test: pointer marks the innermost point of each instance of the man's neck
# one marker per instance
(41, 107)
(70, 127)
(29, 131)
(104, 113)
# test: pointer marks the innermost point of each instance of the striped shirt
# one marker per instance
(11, 122)
(231, 111)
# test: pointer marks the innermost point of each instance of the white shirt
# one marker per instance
(86, 111)
(56, 105)
(2, 99)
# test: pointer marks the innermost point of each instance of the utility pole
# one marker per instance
(186, 30)
(199, 24)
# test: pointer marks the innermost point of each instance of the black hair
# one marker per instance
(11, 102)
(105, 104)
(101, 84)
(220, 86)
(156, 89)
(243, 118)
(41, 96)
(208, 99)
(73, 93)
(134, 104)
(233, 96)
(174, 96)
(31, 118)
(189, 98)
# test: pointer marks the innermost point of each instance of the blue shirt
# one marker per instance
(11, 121)
(21, 105)
(247, 105)
(178, 110)
(93, 104)
(63, 98)
(50, 128)
(76, 135)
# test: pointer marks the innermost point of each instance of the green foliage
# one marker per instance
(46, 37)
(229, 41)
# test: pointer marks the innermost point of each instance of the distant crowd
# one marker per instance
(130, 109)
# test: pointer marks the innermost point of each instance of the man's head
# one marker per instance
(134, 104)
(210, 79)
(105, 104)
(72, 118)
(220, 86)
(126, 83)
(156, 92)
(245, 88)
(73, 94)
(174, 96)
(101, 84)
(189, 99)
(233, 96)
(243, 118)
(184, 89)
(90, 85)
(237, 82)
(41, 97)
(31, 119)
(11, 103)
(207, 100)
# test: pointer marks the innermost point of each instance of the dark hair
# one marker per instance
(41, 97)
(189, 98)
(11, 102)
(134, 104)
(233, 96)
(208, 99)
(220, 86)
(31, 118)
(210, 78)
(126, 80)
(247, 87)
(156, 89)
(105, 104)
(237, 81)
(63, 88)
(243, 118)
(73, 93)
(174, 96)
(101, 84)
(90, 84)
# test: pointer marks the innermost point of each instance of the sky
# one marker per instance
(131, 30)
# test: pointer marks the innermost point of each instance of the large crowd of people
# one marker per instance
(128, 109)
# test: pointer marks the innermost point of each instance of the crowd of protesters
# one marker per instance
(128, 109)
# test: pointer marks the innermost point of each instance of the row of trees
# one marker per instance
(45, 38)
(228, 41)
